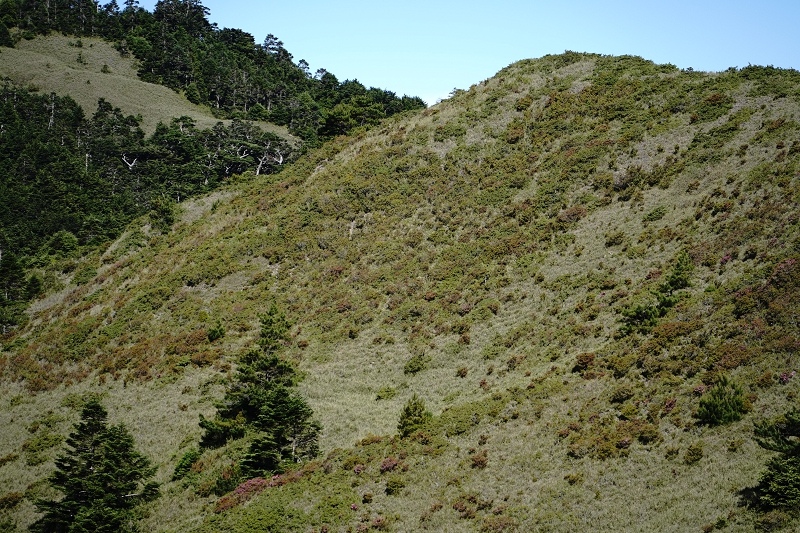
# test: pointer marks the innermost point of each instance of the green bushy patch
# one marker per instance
(724, 403)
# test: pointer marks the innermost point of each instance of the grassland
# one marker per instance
(499, 238)
(87, 69)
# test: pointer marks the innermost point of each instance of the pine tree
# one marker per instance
(102, 476)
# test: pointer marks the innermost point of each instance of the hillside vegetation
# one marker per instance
(176, 46)
(113, 113)
(90, 68)
(584, 269)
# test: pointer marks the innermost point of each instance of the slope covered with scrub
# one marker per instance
(562, 262)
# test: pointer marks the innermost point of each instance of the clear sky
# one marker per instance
(427, 48)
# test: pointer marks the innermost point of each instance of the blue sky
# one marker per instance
(427, 48)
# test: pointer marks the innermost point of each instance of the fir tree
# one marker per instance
(262, 401)
(102, 477)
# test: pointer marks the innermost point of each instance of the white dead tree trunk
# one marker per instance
(129, 163)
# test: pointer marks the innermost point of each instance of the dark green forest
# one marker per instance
(73, 178)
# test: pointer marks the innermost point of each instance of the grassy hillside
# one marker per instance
(90, 68)
(561, 261)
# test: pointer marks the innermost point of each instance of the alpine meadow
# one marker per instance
(236, 295)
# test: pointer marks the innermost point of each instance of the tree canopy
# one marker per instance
(779, 486)
(101, 476)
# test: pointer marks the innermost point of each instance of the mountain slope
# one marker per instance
(88, 69)
(561, 261)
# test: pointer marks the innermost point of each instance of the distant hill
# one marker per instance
(75, 66)
(225, 69)
(586, 267)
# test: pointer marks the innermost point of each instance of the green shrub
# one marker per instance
(394, 485)
(693, 453)
(417, 363)
(63, 243)
(448, 131)
(644, 316)
(386, 393)
(84, 275)
(621, 393)
(680, 275)
(640, 318)
(724, 403)
(656, 214)
(185, 464)
(216, 332)
(413, 417)
(36, 446)
(163, 214)
(614, 238)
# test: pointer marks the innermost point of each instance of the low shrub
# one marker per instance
(417, 363)
(656, 214)
(8, 458)
(36, 446)
(413, 417)
(11, 500)
(389, 464)
(386, 393)
(773, 521)
(693, 453)
(394, 484)
(584, 361)
(216, 332)
(497, 524)
(185, 464)
(614, 238)
(479, 459)
(722, 404)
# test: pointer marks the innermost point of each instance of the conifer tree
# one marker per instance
(413, 417)
(262, 401)
(779, 486)
(102, 477)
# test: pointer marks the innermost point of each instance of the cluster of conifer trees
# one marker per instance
(225, 69)
(67, 180)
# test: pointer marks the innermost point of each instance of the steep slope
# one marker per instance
(562, 261)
